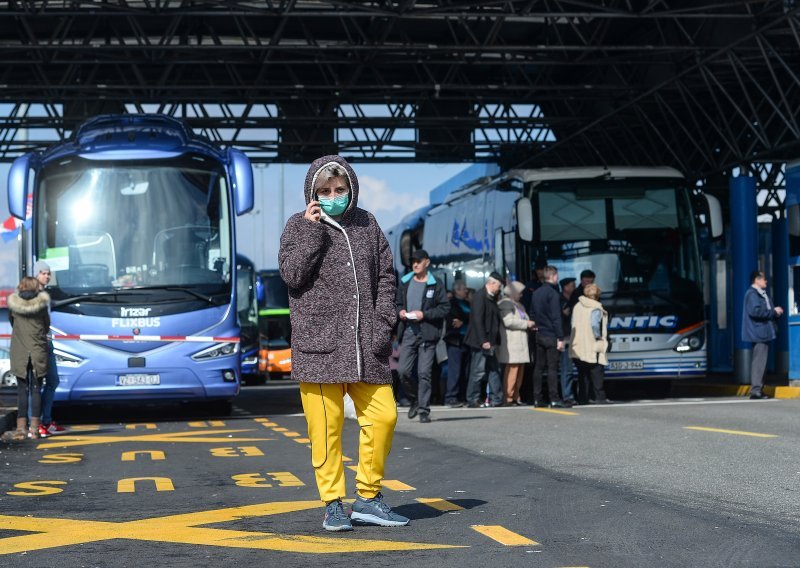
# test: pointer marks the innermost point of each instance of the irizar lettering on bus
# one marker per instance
(140, 318)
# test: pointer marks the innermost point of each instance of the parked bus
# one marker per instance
(636, 228)
(275, 354)
(135, 216)
(247, 314)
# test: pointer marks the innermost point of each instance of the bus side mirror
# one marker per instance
(714, 216)
(241, 174)
(525, 219)
(19, 176)
(260, 292)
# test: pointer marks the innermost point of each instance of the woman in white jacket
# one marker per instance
(588, 344)
(513, 348)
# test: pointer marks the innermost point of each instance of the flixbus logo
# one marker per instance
(643, 322)
(135, 317)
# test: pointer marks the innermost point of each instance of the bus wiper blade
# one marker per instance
(198, 295)
(100, 296)
(203, 297)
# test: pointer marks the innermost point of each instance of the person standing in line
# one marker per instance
(457, 324)
(513, 348)
(337, 265)
(758, 327)
(535, 282)
(589, 344)
(30, 323)
(483, 338)
(421, 304)
(587, 277)
(48, 427)
(546, 309)
(567, 380)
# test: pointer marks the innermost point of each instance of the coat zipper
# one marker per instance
(358, 293)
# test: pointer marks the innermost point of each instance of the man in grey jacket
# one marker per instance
(422, 305)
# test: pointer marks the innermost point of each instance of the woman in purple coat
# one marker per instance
(338, 267)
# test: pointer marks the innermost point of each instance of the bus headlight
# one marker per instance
(64, 359)
(218, 350)
(691, 342)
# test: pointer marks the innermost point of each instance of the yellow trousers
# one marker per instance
(323, 405)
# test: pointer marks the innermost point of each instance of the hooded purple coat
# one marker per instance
(341, 292)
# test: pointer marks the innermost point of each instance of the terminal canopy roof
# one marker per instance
(699, 85)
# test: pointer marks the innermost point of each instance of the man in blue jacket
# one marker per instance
(758, 326)
(422, 305)
(546, 312)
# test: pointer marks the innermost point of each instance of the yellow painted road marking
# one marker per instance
(146, 426)
(247, 451)
(84, 428)
(61, 458)
(346, 459)
(155, 455)
(392, 484)
(203, 436)
(291, 434)
(733, 432)
(285, 479)
(186, 529)
(395, 485)
(303, 441)
(281, 429)
(129, 485)
(36, 489)
(503, 535)
(439, 504)
(204, 424)
(556, 411)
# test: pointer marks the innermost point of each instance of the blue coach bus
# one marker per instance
(636, 228)
(135, 216)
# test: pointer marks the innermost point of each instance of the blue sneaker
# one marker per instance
(335, 517)
(376, 512)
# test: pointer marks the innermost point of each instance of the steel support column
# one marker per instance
(780, 290)
(744, 244)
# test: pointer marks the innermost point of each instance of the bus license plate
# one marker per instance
(625, 365)
(138, 379)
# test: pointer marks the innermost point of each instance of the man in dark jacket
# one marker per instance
(587, 277)
(482, 338)
(546, 308)
(758, 326)
(457, 352)
(422, 305)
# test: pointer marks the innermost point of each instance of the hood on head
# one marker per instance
(23, 305)
(320, 163)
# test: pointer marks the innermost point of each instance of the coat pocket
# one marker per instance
(381, 338)
(315, 335)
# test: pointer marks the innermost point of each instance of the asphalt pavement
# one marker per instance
(663, 483)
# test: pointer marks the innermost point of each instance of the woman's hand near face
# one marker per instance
(313, 212)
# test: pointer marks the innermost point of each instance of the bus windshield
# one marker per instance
(158, 226)
(639, 242)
